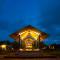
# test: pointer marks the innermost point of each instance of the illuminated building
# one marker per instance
(29, 38)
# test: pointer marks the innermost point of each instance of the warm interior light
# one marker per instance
(32, 33)
(21, 49)
(23, 35)
(3, 46)
(28, 43)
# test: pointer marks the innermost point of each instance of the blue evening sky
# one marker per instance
(42, 14)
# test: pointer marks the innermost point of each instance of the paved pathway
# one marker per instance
(31, 59)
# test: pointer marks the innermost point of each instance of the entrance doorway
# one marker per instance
(29, 43)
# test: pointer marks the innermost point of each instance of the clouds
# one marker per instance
(42, 14)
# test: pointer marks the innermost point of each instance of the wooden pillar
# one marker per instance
(39, 41)
(19, 41)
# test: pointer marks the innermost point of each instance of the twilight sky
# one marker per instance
(42, 14)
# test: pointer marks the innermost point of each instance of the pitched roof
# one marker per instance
(16, 36)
